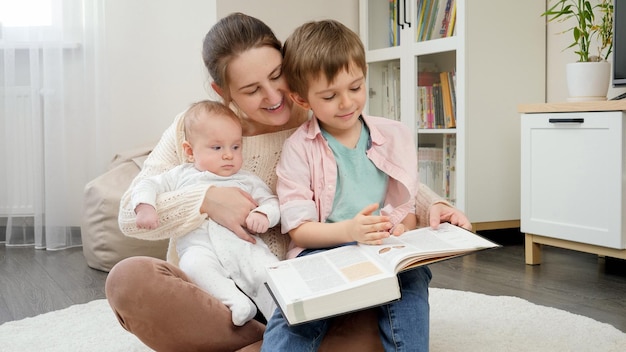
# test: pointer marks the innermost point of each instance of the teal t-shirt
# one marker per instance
(359, 181)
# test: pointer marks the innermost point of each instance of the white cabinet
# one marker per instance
(573, 180)
(498, 55)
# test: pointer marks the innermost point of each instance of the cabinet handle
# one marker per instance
(404, 14)
(567, 120)
(398, 14)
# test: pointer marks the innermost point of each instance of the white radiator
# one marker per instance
(20, 122)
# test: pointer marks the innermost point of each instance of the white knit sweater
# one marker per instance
(179, 210)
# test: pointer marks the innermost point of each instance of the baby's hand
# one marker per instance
(147, 217)
(257, 222)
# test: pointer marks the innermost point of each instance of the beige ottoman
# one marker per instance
(103, 243)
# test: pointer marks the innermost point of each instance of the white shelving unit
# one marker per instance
(498, 54)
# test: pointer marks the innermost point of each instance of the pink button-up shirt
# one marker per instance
(307, 172)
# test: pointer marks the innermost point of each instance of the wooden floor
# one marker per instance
(34, 282)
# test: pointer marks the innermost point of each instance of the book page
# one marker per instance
(425, 243)
(446, 237)
(330, 270)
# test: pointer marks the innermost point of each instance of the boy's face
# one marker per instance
(216, 146)
(339, 104)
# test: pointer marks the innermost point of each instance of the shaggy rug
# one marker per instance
(460, 321)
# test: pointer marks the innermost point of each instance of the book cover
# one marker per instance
(448, 106)
(451, 25)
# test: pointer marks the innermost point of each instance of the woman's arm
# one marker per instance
(183, 210)
(178, 210)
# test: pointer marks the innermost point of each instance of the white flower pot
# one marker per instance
(588, 81)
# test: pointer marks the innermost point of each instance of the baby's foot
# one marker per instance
(243, 312)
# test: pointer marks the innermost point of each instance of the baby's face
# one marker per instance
(217, 146)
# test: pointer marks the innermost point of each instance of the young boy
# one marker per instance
(344, 177)
(213, 257)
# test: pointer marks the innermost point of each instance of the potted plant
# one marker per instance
(592, 30)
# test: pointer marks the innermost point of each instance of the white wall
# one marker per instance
(154, 55)
(153, 58)
(283, 16)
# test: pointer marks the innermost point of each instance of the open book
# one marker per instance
(354, 277)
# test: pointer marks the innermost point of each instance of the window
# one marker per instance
(25, 13)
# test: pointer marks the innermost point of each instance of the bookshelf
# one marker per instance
(497, 55)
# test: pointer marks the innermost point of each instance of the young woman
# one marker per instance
(154, 299)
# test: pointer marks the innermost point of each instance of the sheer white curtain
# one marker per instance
(51, 126)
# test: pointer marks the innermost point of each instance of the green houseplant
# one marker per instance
(592, 31)
(593, 22)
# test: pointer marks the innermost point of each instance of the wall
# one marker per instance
(154, 48)
(154, 65)
(283, 16)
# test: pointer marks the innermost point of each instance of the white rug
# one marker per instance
(460, 321)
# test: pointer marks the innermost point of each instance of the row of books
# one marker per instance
(437, 167)
(436, 97)
(434, 19)
(391, 90)
(394, 26)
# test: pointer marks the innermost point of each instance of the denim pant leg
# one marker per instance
(279, 336)
(404, 324)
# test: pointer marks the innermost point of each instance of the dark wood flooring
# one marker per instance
(34, 282)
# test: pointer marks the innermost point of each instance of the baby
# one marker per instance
(212, 256)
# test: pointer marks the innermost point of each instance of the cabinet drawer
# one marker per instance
(572, 182)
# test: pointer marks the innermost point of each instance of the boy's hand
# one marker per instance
(367, 228)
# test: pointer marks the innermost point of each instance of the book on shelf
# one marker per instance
(429, 20)
(394, 38)
(435, 19)
(430, 164)
(436, 100)
(438, 105)
(355, 277)
(449, 161)
(391, 91)
(449, 113)
(451, 28)
(421, 9)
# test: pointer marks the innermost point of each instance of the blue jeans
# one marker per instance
(403, 324)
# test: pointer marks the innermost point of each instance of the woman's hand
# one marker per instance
(440, 212)
(229, 207)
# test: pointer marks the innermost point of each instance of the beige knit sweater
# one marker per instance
(179, 210)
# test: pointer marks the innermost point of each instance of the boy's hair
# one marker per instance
(202, 109)
(320, 47)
